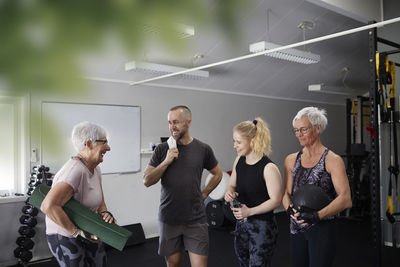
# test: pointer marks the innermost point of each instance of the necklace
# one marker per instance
(83, 162)
(80, 158)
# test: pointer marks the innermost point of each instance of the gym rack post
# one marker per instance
(375, 156)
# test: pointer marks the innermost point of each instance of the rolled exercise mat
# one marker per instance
(87, 220)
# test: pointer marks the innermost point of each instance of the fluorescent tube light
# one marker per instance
(180, 30)
(317, 88)
(311, 41)
(289, 54)
(162, 69)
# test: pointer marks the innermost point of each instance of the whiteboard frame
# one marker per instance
(104, 171)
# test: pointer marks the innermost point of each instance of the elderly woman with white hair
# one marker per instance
(313, 231)
(80, 178)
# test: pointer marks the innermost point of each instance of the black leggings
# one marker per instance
(76, 252)
(255, 242)
(315, 247)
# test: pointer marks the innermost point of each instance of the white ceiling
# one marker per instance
(265, 76)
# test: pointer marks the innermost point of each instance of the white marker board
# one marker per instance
(122, 124)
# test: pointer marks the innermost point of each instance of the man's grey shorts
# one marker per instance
(175, 238)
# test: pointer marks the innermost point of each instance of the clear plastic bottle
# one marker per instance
(236, 204)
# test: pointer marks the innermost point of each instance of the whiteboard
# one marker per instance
(122, 124)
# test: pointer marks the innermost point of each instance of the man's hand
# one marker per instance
(172, 154)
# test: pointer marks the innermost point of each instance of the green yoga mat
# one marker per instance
(87, 220)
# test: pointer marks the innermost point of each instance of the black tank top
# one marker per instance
(250, 184)
(317, 175)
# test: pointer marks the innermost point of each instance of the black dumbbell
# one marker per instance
(30, 210)
(26, 231)
(25, 242)
(30, 190)
(28, 220)
(32, 182)
(27, 200)
(41, 168)
(38, 168)
(23, 254)
(37, 176)
(49, 182)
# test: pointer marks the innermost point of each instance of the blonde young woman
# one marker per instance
(256, 183)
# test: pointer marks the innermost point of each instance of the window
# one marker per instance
(12, 163)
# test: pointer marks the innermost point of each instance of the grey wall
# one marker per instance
(214, 115)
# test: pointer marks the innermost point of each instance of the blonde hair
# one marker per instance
(258, 132)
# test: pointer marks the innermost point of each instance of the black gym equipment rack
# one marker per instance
(357, 158)
(375, 181)
(40, 174)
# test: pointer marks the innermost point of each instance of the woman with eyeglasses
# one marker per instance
(80, 178)
(313, 232)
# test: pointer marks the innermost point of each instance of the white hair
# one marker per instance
(315, 115)
(85, 131)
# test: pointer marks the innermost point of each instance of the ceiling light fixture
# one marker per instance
(158, 69)
(311, 41)
(317, 88)
(289, 54)
(182, 31)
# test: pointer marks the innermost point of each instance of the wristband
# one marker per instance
(290, 211)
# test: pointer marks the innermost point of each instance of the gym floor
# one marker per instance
(353, 250)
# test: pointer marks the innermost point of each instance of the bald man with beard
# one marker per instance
(182, 218)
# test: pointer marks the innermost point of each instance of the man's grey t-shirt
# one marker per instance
(181, 201)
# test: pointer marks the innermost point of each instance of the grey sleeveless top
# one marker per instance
(316, 175)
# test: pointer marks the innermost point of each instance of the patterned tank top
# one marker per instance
(317, 175)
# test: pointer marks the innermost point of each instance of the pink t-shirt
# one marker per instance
(87, 189)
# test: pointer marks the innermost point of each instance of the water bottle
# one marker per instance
(236, 204)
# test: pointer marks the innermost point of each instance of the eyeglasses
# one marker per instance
(302, 130)
(104, 142)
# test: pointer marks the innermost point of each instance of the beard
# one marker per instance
(180, 135)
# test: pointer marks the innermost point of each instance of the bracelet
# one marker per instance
(76, 232)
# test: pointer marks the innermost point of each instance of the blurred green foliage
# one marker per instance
(42, 40)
